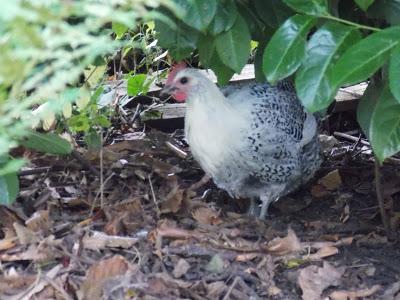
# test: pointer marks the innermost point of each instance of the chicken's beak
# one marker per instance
(168, 90)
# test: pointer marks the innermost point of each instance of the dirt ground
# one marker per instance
(158, 230)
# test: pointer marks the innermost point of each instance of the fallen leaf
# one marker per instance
(25, 235)
(181, 268)
(100, 272)
(207, 216)
(353, 295)
(173, 201)
(331, 181)
(97, 240)
(216, 289)
(282, 246)
(323, 252)
(319, 191)
(313, 280)
(216, 264)
(39, 222)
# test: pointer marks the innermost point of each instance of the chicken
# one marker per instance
(256, 140)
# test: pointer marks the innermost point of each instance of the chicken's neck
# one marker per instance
(212, 125)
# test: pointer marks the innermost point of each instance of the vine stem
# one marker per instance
(333, 18)
(380, 197)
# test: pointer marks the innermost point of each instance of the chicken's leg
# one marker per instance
(254, 209)
(266, 200)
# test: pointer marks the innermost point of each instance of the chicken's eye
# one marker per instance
(183, 80)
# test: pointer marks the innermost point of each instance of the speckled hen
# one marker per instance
(254, 140)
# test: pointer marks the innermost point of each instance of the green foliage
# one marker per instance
(46, 46)
(324, 44)
(47, 143)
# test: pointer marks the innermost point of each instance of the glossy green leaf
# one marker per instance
(367, 104)
(385, 126)
(224, 18)
(179, 40)
(9, 188)
(233, 46)
(313, 79)
(394, 73)
(309, 7)
(272, 12)
(388, 10)
(119, 29)
(365, 57)
(286, 49)
(206, 48)
(223, 73)
(198, 13)
(135, 84)
(364, 4)
(11, 166)
(47, 143)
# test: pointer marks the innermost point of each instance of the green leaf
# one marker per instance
(394, 73)
(385, 126)
(272, 12)
(93, 140)
(313, 79)
(135, 84)
(79, 123)
(364, 4)
(180, 40)
(309, 7)
(367, 104)
(206, 48)
(286, 49)
(365, 57)
(47, 143)
(102, 121)
(9, 188)
(198, 13)
(119, 29)
(223, 73)
(224, 18)
(258, 59)
(11, 166)
(388, 10)
(233, 46)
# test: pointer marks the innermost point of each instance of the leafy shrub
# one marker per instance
(45, 47)
(322, 44)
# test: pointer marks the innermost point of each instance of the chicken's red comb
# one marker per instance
(175, 69)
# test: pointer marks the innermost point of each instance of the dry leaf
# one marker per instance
(331, 181)
(97, 240)
(313, 280)
(282, 246)
(25, 235)
(319, 191)
(216, 289)
(322, 252)
(100, 272)
(181, 268)
(207, 216)
(173, 201)
(39, 221)
(353, 295)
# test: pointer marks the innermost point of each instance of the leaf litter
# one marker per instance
(163, 231)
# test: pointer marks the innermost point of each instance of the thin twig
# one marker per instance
(351, 138)
(153, 195)
(229, 292)
(101, 171)
(380, 197)
(178, 151)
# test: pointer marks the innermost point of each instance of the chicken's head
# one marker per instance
(181, 82)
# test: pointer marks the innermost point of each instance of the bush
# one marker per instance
(322, 44)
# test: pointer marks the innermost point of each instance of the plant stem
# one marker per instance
(380, 197)
(330, 17)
